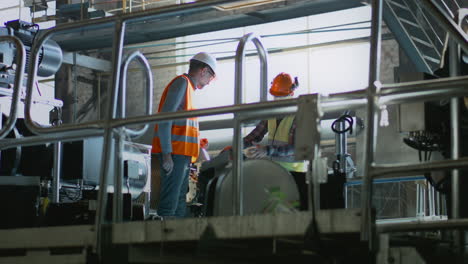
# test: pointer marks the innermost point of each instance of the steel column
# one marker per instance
(370, 135)
(108, 134)
(237, 145)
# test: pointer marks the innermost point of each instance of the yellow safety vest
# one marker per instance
(279, 136)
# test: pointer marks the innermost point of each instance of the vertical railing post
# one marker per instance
(370, 135)
(18, 84)
(238, 87)
(108, 134)
(122, 131)
(57, 172)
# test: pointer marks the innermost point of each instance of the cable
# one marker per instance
(344, 118)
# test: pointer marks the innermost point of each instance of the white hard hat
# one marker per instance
(206, 58)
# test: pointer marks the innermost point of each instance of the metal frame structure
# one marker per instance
(376, 94)
(18, 84)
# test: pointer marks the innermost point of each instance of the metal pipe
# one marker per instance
(32, 75)
(455, 129)
(423, 96)
(56, 176)
(98, 107)
(341, 146)
(117, 212)
(401, 92)
(238, 89)
(420, 86)
(402, 169)
(18, 84)
(370, 135)
(149, 90)
(447, 23)
(418, 199)
(167, 11)
(422, 226)
(108, 134)
(389, 94)
(336, 102)
(454, 68)
(48, 138)
(78, 26)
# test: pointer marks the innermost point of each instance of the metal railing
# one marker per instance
(18, 84)
(373, 91)
(238, 194)
(148, 91)
(375, 95)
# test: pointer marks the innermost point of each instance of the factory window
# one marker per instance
(329, 53)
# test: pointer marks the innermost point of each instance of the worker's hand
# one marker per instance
(255, 152)
(167, 163)
(227, 148)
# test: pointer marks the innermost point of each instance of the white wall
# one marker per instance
(321, 68)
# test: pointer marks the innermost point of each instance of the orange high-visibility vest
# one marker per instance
(184, 132)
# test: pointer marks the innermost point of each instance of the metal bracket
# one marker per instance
(319, 170)
(307, 135)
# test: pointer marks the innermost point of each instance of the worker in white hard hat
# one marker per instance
(176, 143)
(281, 131)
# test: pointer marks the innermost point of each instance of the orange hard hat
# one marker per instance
(283, 85)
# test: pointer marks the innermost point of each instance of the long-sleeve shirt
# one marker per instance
(259, 133)
(175, 101)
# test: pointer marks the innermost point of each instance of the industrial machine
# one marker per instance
(50, 57)
(268, 187)
(26, 172)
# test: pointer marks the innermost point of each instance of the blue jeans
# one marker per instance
(172, 201)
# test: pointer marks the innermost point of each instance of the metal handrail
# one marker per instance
(108, 142)
(156, 13)
(48, 138)
(370, 135)
(18, 84)
(237, 174)
(407, 169)
(389, 94)
(422, 226)
(148, 91)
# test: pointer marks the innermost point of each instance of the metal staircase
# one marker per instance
(417, 32)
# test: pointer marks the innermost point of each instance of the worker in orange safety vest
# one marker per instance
(176, 143)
